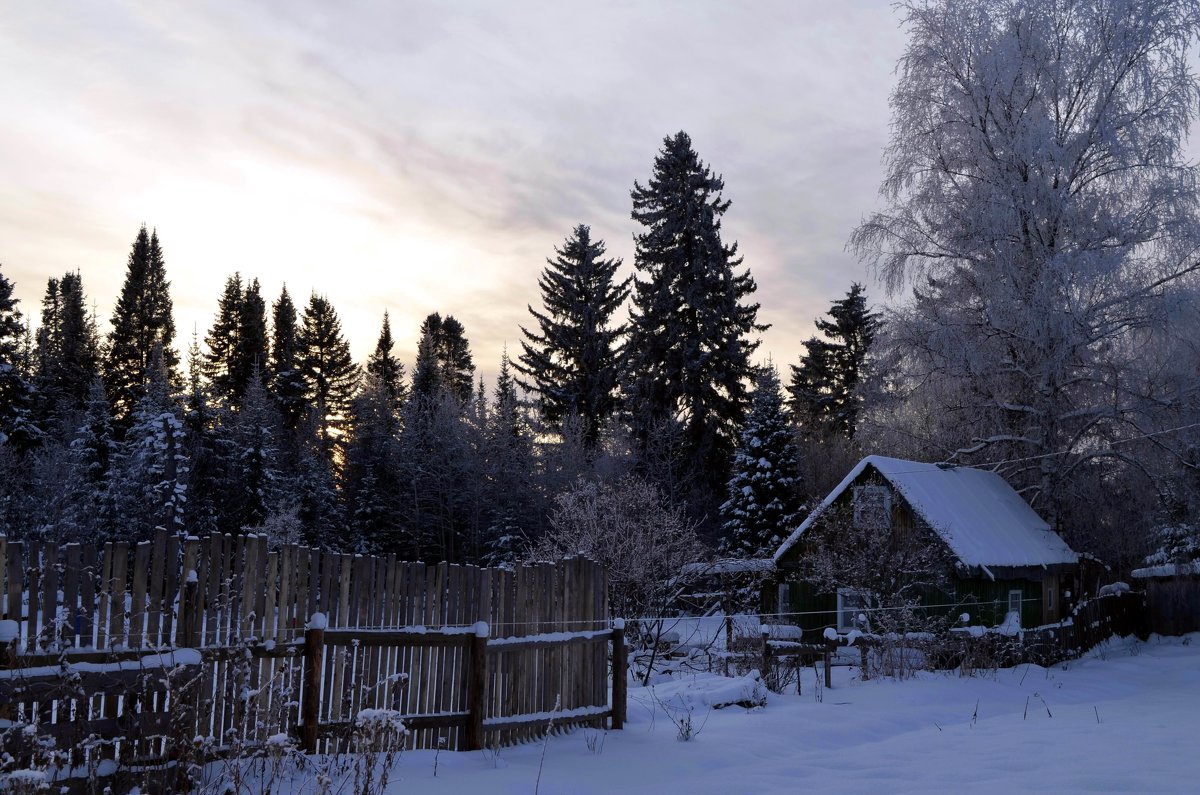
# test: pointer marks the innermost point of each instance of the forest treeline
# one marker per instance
(1051, 334)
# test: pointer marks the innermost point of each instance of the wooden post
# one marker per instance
(620, 671)
(828, 666)
(476, 684)
(766, 658)
(314, 646)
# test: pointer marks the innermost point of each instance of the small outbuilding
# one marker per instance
(999, 556)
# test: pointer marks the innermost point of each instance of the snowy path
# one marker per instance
(885, 736)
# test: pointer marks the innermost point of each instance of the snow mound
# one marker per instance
(706, 691)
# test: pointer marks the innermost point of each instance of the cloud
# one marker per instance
(427, 158)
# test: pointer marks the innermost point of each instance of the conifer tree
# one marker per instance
(763, 505)
(141, 322)
(287, 384)
(689, 347)
(152, 466)
(67, 352)
(372, 471)
(209, 477)
(254, 447)
(222, 341)
(17, 394)
(824, 385)
(510, 499)
(443, 359)
(329, 373)
(252, 353)
(387, 369)
(572, 362)
(93, 453)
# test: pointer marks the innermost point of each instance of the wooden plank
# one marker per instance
(137, 604)
(16, 579)
(88, 603)
(171, 588)
(156, 587)
(33, 574)
(4, 576)
(286, 572)
(270, 593)
(187, 625)
(116, 593)
(72, 565)
(51, 629)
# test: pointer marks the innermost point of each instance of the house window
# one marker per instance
(851, 605)
(1014, 602)
(784, 598)
(872, 506)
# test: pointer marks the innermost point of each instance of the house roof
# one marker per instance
(979, 516)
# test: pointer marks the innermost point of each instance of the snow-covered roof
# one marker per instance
(1168, 570)
(731, 566)
(979, 516)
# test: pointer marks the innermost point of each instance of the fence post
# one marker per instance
(620, 672)
(766, 657)
(828, 665)
(10, 636)
(476, 684)
(314, 646)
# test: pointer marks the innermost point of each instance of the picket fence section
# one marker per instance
(216, 638)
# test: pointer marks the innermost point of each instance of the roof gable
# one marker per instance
(981, 518)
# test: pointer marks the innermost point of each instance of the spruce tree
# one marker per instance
(763, 503)
(17, 395)
(510, 500)
(372, 472)
(222, 342)
(254, 435)
(824, 385)
(89, 485)
(67, 352)
(141, 323)
(572, 363)
(329, 373)
(286, 382)
(443, 360)
(689, 347)
(387, 369)
(152, 465)
(209, 476)
(250, 360)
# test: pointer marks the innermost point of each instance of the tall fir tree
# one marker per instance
(689, 343)
(372, 471)
(254, 444)
(18, 397)
(444, 360)
(89, 485)
(222, 342)
(511, 501)
(209, 452)
(572, 362)
(824, 386)
(763, 502)
(152, 465)
(329, 373)
(141, 323)
(67, 351)
(286, 382)
(387, 369)
(252, 349)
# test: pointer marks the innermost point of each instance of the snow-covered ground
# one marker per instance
(938, 732)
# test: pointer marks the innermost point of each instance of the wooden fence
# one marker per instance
(231, 641)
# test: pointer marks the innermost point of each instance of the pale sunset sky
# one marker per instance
(422, 157)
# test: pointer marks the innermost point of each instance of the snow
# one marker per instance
(1168, 570)
(9, 631)
(1114, 589)
(731, 566)
(317, 621)
(979, 516)
(549, 637)
(1122, 719)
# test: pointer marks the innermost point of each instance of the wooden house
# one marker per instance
(1001, 557)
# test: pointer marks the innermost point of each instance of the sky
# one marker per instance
(428, 157)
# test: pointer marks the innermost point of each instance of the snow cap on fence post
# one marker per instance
(618, 623)
(481, 629)
(317, 621)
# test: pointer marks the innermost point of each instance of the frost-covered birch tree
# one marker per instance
(1041, 205)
